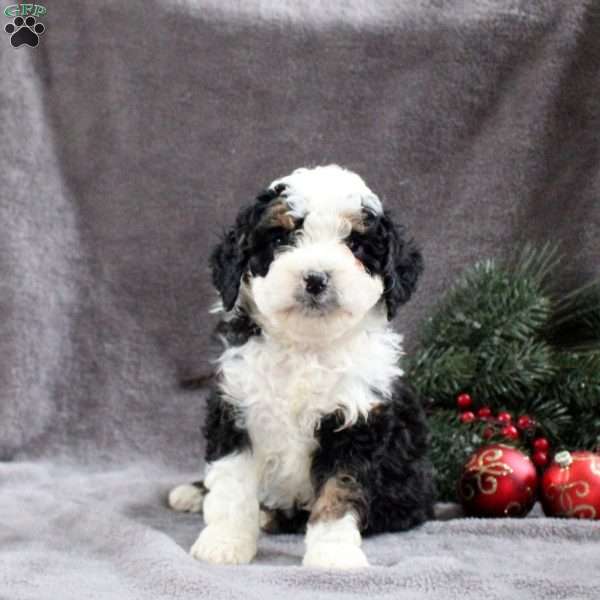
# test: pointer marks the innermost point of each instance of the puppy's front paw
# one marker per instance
(222, 546)
(332, 555)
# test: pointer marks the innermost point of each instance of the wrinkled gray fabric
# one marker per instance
(71, 534)
(131, 135)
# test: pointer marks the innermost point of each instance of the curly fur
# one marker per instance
(310, 418)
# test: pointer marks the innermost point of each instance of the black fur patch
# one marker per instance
(222, 434)
(286, 521)
(385, 457)
(382, 249)
(238, 330)
(250, 244)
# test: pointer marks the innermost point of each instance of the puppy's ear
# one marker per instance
(227, 265)
(229, 258)
(403, 266)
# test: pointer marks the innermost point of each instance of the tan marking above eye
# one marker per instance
(277, 215)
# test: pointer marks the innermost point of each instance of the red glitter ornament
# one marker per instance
(498, 481)
(571, 486)
(464, 401)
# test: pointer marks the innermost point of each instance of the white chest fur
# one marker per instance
(282, 392)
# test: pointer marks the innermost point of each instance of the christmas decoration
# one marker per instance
(504, 417)
(498, 481)
(510, 432)
(541, 444)
(525, 422)
(464, 401)
(488, 432)
(540, 458)
(519, 352)
(571, 486)
(485, 412)
(467, 417)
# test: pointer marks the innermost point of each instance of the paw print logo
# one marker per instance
(24, 31)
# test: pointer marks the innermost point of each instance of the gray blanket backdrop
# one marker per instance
(130, 137)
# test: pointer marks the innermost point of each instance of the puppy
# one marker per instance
(310, 427)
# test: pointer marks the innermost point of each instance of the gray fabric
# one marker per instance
(129, 138)
(70, 534)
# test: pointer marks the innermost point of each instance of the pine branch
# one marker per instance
(512, 371)
(504, 334)
(438, 373)
(575, 320)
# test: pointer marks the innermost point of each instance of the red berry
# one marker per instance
(504, 417)
(541, 444)
(524, 422)
(488, 432)
(510, 431)
(540, 458)
(464, 401)
(485, 412)
(467, 417)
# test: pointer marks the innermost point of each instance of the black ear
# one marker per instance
(227, 264)
(403, 266)
(229, 258)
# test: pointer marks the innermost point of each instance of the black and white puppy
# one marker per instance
(310, 420)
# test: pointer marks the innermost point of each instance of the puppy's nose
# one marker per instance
(316, 282)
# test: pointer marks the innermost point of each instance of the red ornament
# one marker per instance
(504, 417)
(485, 412)
(463, 401)
(467, 417)
(510, 432)
(541, 444)
(571, 486)
(540, 458)
(498, 481)
(524, 422)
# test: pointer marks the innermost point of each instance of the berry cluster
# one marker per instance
(503, 425)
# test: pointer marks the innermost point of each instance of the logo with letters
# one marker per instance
(25, 28)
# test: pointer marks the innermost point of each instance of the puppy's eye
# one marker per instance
(279, 240)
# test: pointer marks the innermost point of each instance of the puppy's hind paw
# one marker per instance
(186, 498)
(331, 555)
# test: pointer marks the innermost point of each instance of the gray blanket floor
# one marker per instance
(70, 534)
(131, 135)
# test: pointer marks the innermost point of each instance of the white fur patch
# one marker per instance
(186, 498)
(334, 545)
(327, 189)
(282, 392)
(224, 545)
(231, 512)
(275, 295)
